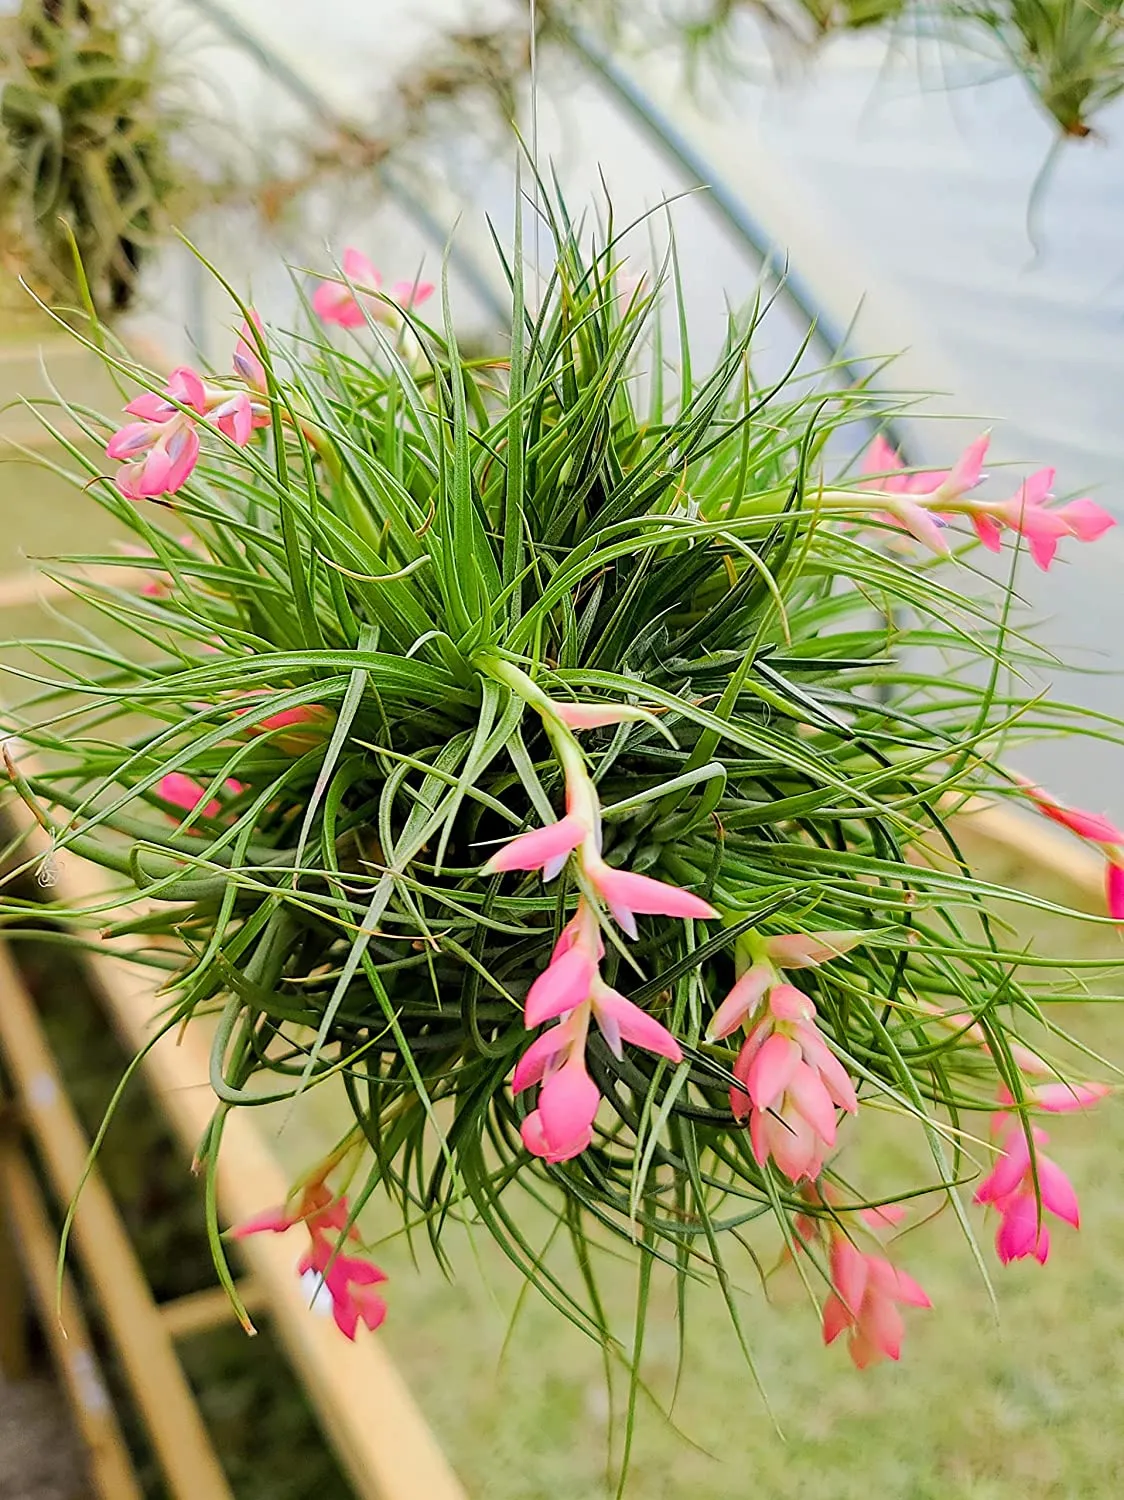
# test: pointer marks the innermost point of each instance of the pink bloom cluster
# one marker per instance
(867, 1293)
(1022, 1190)
(790, 1083)
(922, 503)
(867, 1290)
(160, 449)
(1094, 829)
(570, 988)
(336, 302)
(179, 790)
(1009, 1186)
(348, 1279)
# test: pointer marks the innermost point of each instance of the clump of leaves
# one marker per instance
(86, 124)
(346, 638)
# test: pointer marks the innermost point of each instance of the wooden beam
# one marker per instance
(151, 1366)
(107, 1458)
(364, 1405)
(14, 1360)
(196, 1312)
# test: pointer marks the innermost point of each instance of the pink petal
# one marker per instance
(1086, 519)
(567, 1106)
(804, 950)
(740, 1003)
(834, 1075)
(750, 1048)
(1057, 1192)
(183, 454)
(850, 1272)
(787, 1003)
(966, 471)
(335, 304)
(922, 525)
(539, 846)
(595, 715)
(561, 986)
(247, 362)
(410, 294)
(794, 1146)
(531, 1067)
(186, 386)
(1020, 1234)
(269, 1221)
(184, 792)
(1008, 1172)
(1114, 890)
(359, 269)
(625, 894)
(372, 1309)
(988, 530)
(235, 418)
(633, 1024)
(151, 406)
(807, 1093)
(133, 438)
(885, 1216)
(1065, 1098)
(836, 1318)
(128, 481)
(891, 1282)
(863, 1352)
(880, 459)
(881, 1324)
(771, 1071)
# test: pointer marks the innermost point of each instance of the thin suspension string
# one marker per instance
(534, 59)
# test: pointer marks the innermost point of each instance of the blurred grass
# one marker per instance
(1026, 1407)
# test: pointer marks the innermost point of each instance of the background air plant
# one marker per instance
(86, 123)
(571, 688)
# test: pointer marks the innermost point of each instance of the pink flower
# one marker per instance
(883, 463)
(1094, 829)
(915, 503)
(1026, 512)
(348, 1279)
(1054, 1098)
(1086, 520)
(572, 988)
(797, 950)
(335, 302)
(183, 791)
(596, 715)
(561, 1127)
(160, 449)
(295, 730)
(867, 1293)
(1010, 1188)
(620, 1021)
(566, 981)
(247, 362)
(545, 848)
(627, 895)
(789, 1085)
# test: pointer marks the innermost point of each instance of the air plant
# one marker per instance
(512, 746)
(86, 123)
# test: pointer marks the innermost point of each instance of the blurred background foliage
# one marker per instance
(88, 122)
(96, 131)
